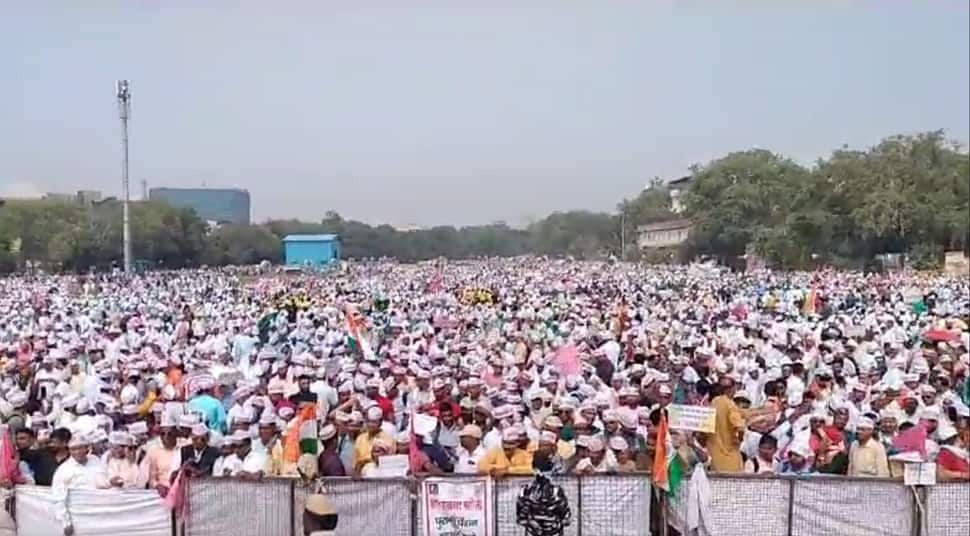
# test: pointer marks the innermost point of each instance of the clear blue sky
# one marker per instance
(424, 115)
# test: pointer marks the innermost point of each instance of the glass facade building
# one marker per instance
(211, 204)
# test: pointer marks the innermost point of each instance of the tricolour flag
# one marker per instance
(298, 437)
(667, 471)
(357, 334)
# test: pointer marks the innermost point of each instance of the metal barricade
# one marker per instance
(384, 503)
(220, 506)
(948, 509)
(507, 492)
(836, 506)
(739, 503)
(614, 505)
(618, 505)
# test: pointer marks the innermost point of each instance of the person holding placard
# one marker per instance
(724, 445)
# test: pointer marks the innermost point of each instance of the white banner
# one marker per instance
(7, 525)
(94, 513)
(457, 507)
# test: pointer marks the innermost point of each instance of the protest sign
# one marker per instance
(919, 474)
(391, 466)
(695, 418)
(457, 507)
(424, 424)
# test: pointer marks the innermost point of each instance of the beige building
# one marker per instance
(663, 234)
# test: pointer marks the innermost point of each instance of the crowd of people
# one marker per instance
(487, 367)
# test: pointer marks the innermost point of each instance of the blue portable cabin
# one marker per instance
(318, 250)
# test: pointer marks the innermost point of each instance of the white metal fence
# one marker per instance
(620, 505)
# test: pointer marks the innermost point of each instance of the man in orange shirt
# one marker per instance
(724, 445)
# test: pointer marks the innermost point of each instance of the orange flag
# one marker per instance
(660, 475)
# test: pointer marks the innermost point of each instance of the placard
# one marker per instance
(694, 418)
(919, 474)
(391, 466)
(457, 507)
(424, 424)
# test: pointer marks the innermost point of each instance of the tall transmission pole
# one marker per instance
(144, 189)
(123, 92)
(623, 231)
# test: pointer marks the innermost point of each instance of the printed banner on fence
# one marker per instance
(695, 418)
(457, 507)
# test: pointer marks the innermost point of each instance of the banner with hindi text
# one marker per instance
(457, 507)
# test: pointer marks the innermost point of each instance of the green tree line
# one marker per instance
(908, 194)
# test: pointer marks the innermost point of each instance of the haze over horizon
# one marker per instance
(457, 115)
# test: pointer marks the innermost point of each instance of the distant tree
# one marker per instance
(908, 194)
(242, 245)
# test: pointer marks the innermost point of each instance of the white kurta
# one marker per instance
(72, 475)
(129, 472)
(253, 463)
(468, 461)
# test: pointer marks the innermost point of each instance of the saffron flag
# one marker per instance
(299, 433)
